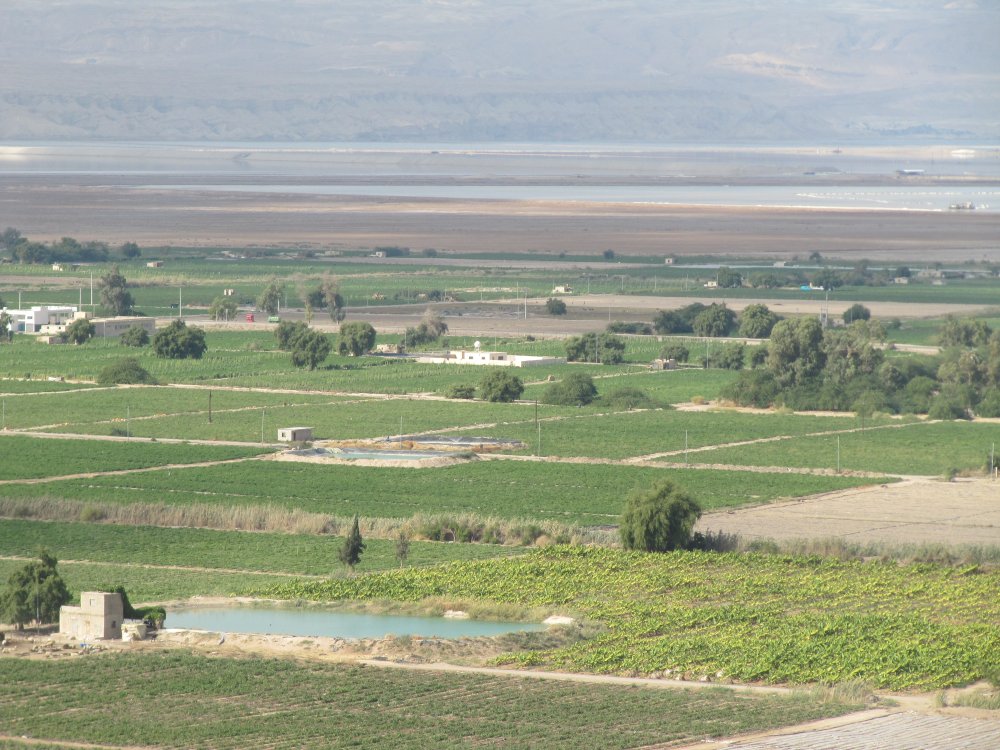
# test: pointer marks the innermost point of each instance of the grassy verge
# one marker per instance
(240, 703)
(745, 617)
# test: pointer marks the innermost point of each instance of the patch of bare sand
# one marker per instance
(915, 511)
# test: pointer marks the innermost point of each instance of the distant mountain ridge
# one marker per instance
(439, 70)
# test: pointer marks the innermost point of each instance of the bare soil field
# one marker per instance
(915, 511)
(49, 207)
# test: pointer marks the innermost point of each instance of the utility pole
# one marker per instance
(838, 454)
(210, 407)
(128, 421)
(261, 426)
(180, 302)
(685, 446)
(91, 290)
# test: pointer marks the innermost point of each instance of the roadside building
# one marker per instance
(99, 617)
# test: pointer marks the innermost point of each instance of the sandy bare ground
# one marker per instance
(914, 511)
(49, 207)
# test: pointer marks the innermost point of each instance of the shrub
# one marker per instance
(594, 347)
(945, 406)
(728, 357)
(287, 332)
(576, 389)
(356, 338)
(659, 519)
(178, 341)
(126, 371)
(677, 352)
(627, 397)
(555, 306)
(857, 311)
(461, 391)
(989, 404)
(500, 385)
(135, 336)
(80, 331)
(639, 328)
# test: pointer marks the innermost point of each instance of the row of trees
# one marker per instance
(65, 250)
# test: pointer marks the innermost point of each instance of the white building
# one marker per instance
(32, 320)
(496, 359)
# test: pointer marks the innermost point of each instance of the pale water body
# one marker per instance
(320, 623)
(798, 196)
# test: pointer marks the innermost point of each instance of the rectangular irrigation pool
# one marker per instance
(332, 624)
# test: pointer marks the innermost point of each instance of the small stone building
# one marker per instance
(99, 617)
(295, 434)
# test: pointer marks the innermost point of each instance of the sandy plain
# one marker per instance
(116, 208)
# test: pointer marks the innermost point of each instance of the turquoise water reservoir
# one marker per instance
(318, 622)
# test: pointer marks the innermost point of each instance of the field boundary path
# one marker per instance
(188, 568)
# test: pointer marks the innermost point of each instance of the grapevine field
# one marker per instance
(748, 618)
(251, 702)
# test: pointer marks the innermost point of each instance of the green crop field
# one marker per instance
(206, 548)
(17, 387)
(747, 617)
(925, 448)
(252, 702)
(585, 494)
(28, 458)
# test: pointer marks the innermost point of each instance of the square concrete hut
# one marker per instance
(295, 434)
(99, 617)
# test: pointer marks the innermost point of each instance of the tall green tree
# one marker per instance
(356, 338)
(115, 294)
(715, 320)
(595, 347)
(310, 348)
(34, 591)
(269, 300)
(576, 389)
(659, 519)
(223, 308)
(353, 546)
(498, 385)
(287, 332)
(180, 341)
(80, 331)
(756, 321)
(332, 300)
(795, 352)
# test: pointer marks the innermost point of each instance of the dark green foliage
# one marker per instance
(753, 388)
(947, 406)
(461, 391)
(310, 348)
(964, 332)
(857, 311)
(608, 254)
(179, 341)
(660, 519)
(989, 404)
(287, 332)
(356, 338)
(677, 321)
(223, 308)
(576, 389)
(795, 351)
(114, 293)
(756, 322)
(639, 328)
(126, 371)
(554, 306)
(605, 348)
(627, 397)
(828, 279)
(35, 589)
(152, 615)
(402, 547)
(676, 352)
(727, 278)
(715, 320)
(350, 551)
(727, 357)
(80, 331)
(500, 385)
(130, 251)
(135, 336)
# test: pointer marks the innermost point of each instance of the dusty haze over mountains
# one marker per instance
(452, 70)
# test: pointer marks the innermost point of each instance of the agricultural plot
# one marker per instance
(925, 448)
(28, 458)
(241, 703)
(667, 387)
(639, 433)
(205, 548)
(739, 616)
(586, 494)
(17, 387)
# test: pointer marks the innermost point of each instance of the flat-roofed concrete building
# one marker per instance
(99, 617)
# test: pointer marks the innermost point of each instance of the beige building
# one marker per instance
(99, 617)
(110, 328)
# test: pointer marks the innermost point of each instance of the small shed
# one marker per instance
(99, 617)
(295, 434)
